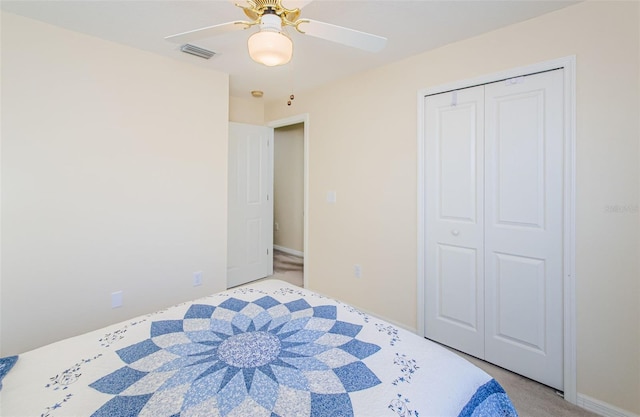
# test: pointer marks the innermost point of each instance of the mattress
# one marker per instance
(264, 350)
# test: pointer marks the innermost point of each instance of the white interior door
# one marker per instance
(250, 205)
(454, 215)
(524, 150)
(494, 217)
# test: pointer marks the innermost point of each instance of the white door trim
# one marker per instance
(301, 118)
(569, 337)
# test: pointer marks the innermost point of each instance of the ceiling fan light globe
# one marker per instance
(270, 47)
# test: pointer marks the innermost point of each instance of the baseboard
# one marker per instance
(602, 408)
(289, 251)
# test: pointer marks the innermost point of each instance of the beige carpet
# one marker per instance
(530, 398)
(287, 268)
(284, 262)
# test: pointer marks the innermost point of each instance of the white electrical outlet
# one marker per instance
(197, 278)
(357, 271)
(116, 299)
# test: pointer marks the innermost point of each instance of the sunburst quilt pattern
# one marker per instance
(241, 358)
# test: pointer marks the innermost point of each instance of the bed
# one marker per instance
(267, 349)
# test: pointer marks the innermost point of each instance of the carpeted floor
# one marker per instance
(530, 398)
(287, 268)
(284, 262)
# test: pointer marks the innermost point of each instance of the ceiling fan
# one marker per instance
(271, 45)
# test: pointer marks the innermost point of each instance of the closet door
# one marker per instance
(524, 150)
(454, 216)
(494, 219)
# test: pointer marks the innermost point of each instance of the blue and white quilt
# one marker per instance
(265, 350)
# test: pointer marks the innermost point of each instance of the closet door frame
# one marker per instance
(569, 319)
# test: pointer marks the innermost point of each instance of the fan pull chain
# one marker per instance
(292, 80)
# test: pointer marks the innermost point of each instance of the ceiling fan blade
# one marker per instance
(345, 36)
(205, 32)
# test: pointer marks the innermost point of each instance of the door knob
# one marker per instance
(455, 232)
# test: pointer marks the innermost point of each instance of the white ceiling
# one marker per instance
(411, 27)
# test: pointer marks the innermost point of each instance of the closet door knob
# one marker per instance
(455, 232)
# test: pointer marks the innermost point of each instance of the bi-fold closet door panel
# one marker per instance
(494, 233)
(524, 150)
(454, 183)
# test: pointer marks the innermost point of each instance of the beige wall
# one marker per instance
(114, 176)
(363, 145)
(288, 187)
(246, 110)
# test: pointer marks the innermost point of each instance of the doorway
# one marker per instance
(290, 177)
(288, 203)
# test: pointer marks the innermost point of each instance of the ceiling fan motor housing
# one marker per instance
(271, 21)
(258, 8)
